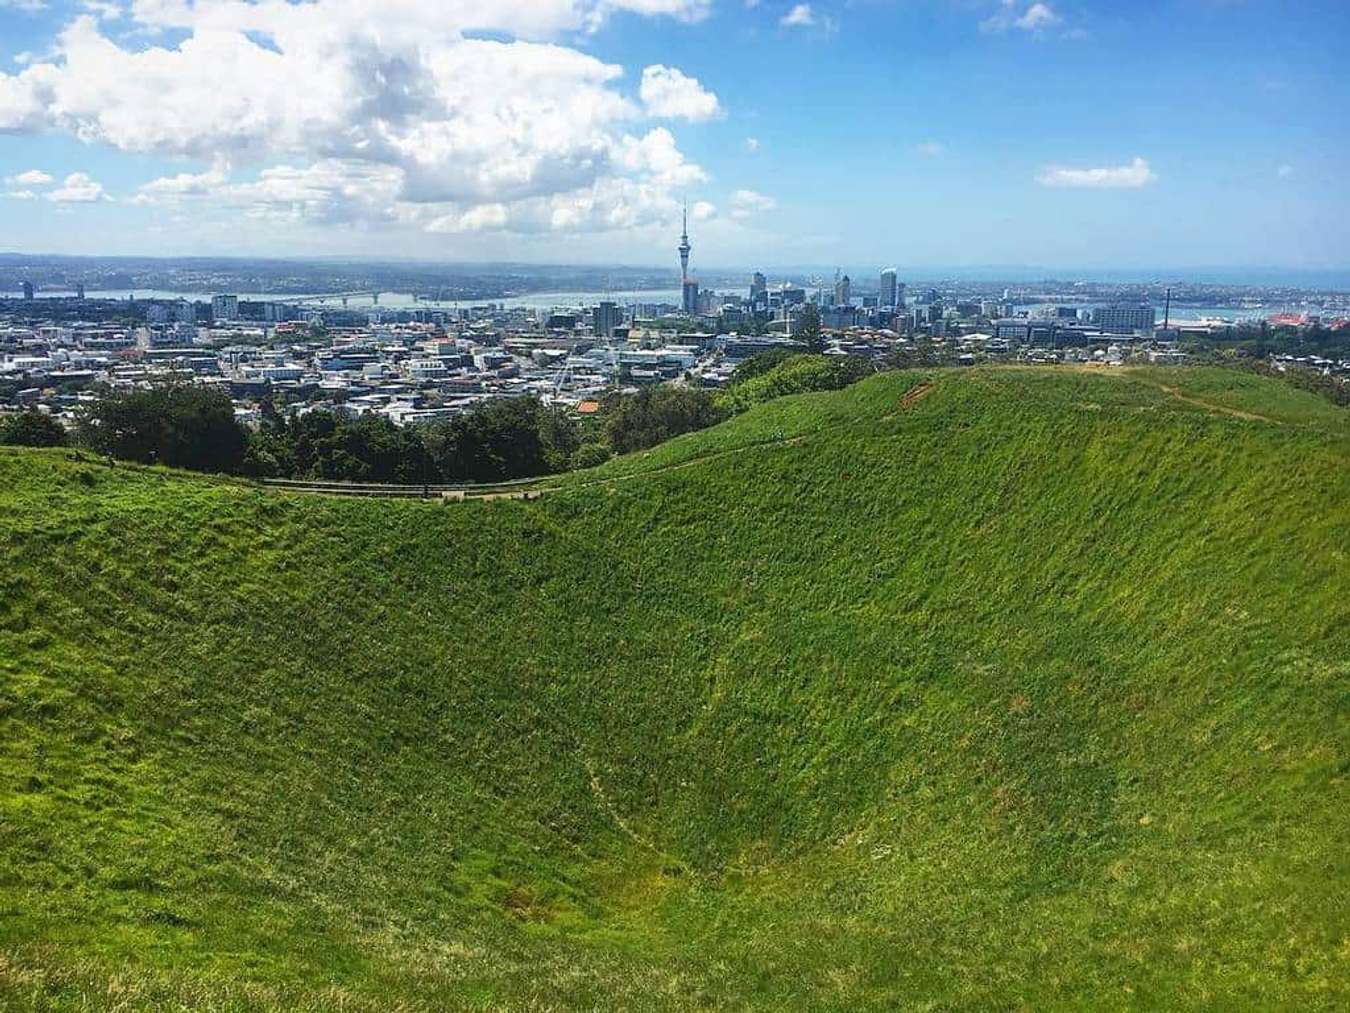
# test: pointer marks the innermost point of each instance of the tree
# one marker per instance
(32, 429)
(177, 425)
(797, 374)
(590, 455)
(808, 329)
(657, 414)
(501, 439)
(762, 363)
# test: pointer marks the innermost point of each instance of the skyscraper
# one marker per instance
(28, 291)
(759, 287)
(886, 300)
(843, 291)
(689, 296)
(604, 318)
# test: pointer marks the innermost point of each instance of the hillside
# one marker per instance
(965, 690)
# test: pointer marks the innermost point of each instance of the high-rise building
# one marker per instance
(900, 296)
(889, 283)
(79, 291)
(689, 296)
(605, 318)
(759, 286)
(28, 291)
(224, 308)
(843, 291)
(184, 312)
(1125, 318)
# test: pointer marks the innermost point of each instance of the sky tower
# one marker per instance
(688, 289)
(685, 248)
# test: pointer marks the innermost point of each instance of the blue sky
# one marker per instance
(1090, 135)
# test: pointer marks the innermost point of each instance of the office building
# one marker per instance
(689, 296)
(225, 308)
(1125, 318)
(605, 318)
(28, 291)
(889, 288)
(843, 291)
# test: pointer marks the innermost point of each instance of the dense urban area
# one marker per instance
(451, 381)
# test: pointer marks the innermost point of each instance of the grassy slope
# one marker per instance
(1033, 691)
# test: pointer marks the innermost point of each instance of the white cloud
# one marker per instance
(681, 10)
(78, 188)
(21, 195)
(395, 112)
(752, 144)
(1284, 171)
(801, 16)
(1130, 177)
(668, 93)
(655, 156)
(33, 177)
(746, 203)
(1036, 18)
(184, 184)
(27, 6)
(103, 9)
(930, 149)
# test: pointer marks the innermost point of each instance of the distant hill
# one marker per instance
(994, 689)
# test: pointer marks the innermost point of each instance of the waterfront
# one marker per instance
(581, 299)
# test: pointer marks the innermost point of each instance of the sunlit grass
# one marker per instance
(1028, 691)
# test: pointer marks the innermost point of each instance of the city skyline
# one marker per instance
(574, 131)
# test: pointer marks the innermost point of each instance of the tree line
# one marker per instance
(185, 426)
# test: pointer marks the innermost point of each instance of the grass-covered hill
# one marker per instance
(994, 689)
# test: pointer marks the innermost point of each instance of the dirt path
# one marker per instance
(606, 803)
(912, 396)
(1237, 413)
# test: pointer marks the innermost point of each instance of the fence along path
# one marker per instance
(514, 489)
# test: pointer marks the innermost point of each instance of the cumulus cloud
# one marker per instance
(1127, 177)
(33, 177)
(746, 203)
(752, 144)
(466, 113)
(21, 195)
(801, 16)
(670, 94)
(78, 188)
(1036, 18)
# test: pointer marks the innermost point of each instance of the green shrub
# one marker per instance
(796, 374)
(32, 429)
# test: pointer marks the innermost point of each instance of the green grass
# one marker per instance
(1030, 691)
